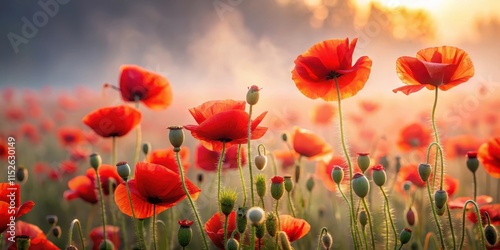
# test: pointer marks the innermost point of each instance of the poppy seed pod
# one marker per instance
(255, 215)
(260, 185)
(337, 174)
(253, 95)
(440, 198)
(363, 161)
(95, 161)
(288, 183)
(410, 217)
(260, 162)
(277, 187)
(405, 236)
(378, 175)
(51, 219)
(232, 244)
(146, 148)
(310, 184)
(363, 218)
(440, 211)
(21, 174)
(57, 232)
(227, 200)
(123, 170)
(424, 171)
(185, 232)
(360, 185)
(106, 245)
(241, 219)
(472, 161)
(260, 230)
(176, 137)
(327, 240)
(490, 233)
(272, 224)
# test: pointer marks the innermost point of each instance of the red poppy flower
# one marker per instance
(214, 228)
(310, 145)
(70, 136)
(443, 67)
(112, 234)
(46, 125)
(323, 114)
(10, 204)
(369, 106)
(208, 160)
(324, 171)
(224, 121)
(31, 132)
(67, 102)
(414, 136)
(113, 121)
(294, 228)
(489, 155)
(185, 223)
(84, 187)
(316, 69)
(14, 114)
(166, 157)
(148, 87)
(458, 146)
(4, 150)
(286, 157)
(459, 202)
(38, 240)
(153, 185)
(493, 211)
(68, 167)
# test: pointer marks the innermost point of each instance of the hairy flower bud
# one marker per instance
(360, 185)
(472, 161)
(410, 217)
(227, 200)
(241, 219)
(405, 236)
(272, 224)
(260, 185)
(490, 233)
(288, 183)
(176, 137)
(337, 174)
(363, 218)
(260, 162)
(232, 244)
(424, 171)
(363, 161)
(253, 95)
(146, 148)
(440, 198)
(277, 187)
(378, 175)
(95, 161)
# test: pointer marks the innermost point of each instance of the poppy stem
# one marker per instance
(354, 228)
(428, 238)
(219, 170)
(324, 231)
(451, 226)
(475, 184)
(138, 136)
(240, 169)
(369, 222)
(195, 211)
(435, 215)
(101, 201)
(226, 221)
(154, 226)
(363, 229)
(115, 151)
(388, 207)
(479, 224)
(79, 226)
(436, 138)
(279, 223)
(439, 154)
(292, 209)
(249, 138)
(138, 232)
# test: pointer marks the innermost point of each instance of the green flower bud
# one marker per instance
(327, 240)
(472, 161)
(241, 219)
(260, 230)
(272, 224)
(23, 242)
(363, 161)
(363, 218)
(56, 231)
(378, 175)
(440, 211)
(490, 233)
(253, 95)
(310, 184)
(398, 163)
(284, 137)
(21, 175)
(232, 244)
(277, 187)
(185, 232)
(288, 183)
(424, 171)
(285, 242)
(260, 162)
(440, 198)
(337, 174)
(255, 215)
(360, 185)
(260, 185)
(176, 137)
(123, 170)
(384, 162)
(405, 236)
(146, 148)
(106, 245)
(227, 200)
(51, 219)
(95, 161)
(298, 172)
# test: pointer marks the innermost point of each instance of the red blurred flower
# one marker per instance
(85, 186)
(414, 136)
(294, 228)
(138, 84)
(31, 132)
(208, 160)
(10, 204)
(459, 202)
(46, 125)
(310, 145)
(369, 106)
(38, 240)
(443, 67)
(214, 228)
(166, 157)
(67, 102)
(70, 136)
(68, 167)
(493, 211)
(286, 157)
(458, 146)
(153, 184)
(112, 234)
(4, 150)
(323, 114)
(316, 69)
(113, 121)
(224, 121)
(324, 171)
(489, 155)
(14, 114)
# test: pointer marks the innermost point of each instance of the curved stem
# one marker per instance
(451, 226)
(101, 201)
(479, 221)
(219, 170)
(240, 169)
(351, 218)
(291, 204)
(193, 207)
(439, 152)
(138, 232)
(324, 231)
(369, 222)
(427, 239)
(154, 226)
(435, 216)
(79, 226)
(390, 217)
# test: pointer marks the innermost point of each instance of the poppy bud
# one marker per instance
(241, 219)
(337, 174)
(106, 245)
(384, 162)
(176, 137)
(490, 233)
(227, 200)
(146, 148)
(472, 161)
(56, 231)
(405, 236)
(255, 215)
(285, 242)
(310, 184)
(277, 187)
(71, 247)
(424, 171)
(360, 185)
(185, 232)
(272, 224)
(407, 185)
(410, 217)
(95, 161)
(51, 219)
(260, 185)
(260, 162)
(260, 230)
(23, 242)
(288, 183)
(378, 175)
(440, 211)
(21, 175)
(327, 240)
(297, 172)
(398, 163)
(232, 244)
(123, 170)
(200, 177)
(363, 161)
(363, 218)
(440, 198)
(253, 95)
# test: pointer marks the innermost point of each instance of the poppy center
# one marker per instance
(154, 200)
(224, 140)
(332, 74)
(69, 138)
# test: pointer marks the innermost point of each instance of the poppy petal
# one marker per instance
(409, 89)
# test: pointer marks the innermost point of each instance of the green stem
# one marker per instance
(115, 151)
(387, 230)
(165, 231)
(70, 238)
(365, 238)
(435, 216)
(219, 170)
(324, 231)
(291, 204)
(154, 226)
(101, 201)
(249, 138)
(225, 229)
(427, 239)
(475, 185)
(479, 221)
(279, 223)
(262, 203)
(439, 153)
(390, 217)
(138, 232)
(354, 228)
(138, 137)
(240, 169)
(195, 211)
(400, 247)
(451, 226)
(369, 222)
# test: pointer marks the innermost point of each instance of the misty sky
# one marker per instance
(213, 45)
